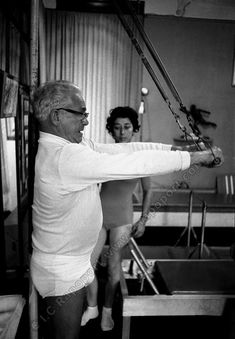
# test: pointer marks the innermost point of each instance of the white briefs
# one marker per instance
(56, 275)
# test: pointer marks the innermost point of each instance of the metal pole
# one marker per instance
(147, 276)
(134, 244)
(140, 51)
(153, 53)
(202, 228)
(190, 217)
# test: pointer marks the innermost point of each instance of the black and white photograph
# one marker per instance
(117, 169)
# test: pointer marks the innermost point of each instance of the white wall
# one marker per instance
(198, 54)
(207, 9)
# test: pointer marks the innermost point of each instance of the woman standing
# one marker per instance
(116, 198)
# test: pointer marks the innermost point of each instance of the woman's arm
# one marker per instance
(139, 227)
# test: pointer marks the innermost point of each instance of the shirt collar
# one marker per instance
(52, 138)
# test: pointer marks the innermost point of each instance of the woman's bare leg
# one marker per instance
(119, 237)
(92, 290)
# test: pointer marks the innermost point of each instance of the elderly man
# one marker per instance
(67, 215)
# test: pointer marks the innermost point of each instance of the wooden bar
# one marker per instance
(126, 323)
(175, 305)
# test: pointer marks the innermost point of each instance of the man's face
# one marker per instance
(73, 117)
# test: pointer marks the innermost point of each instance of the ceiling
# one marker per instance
(95, 6)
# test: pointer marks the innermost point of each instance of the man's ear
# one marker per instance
(54, 117)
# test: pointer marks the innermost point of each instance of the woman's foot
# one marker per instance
(90, 313)
(107, 322)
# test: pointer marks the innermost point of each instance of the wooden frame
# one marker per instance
(8, 95)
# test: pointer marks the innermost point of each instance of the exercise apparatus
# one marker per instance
(125, 5)
(197, 287)
(176, 289)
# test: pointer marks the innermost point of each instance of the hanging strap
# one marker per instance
(149, 67)
(163, 72)
(153, 53)
(139, 49)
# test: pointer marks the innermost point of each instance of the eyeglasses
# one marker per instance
(84, 114)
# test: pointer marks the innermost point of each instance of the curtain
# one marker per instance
(93, 51)
(3, 42)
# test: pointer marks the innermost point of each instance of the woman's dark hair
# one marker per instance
(122, 112)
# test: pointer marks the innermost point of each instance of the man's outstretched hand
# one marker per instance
(208, 158)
